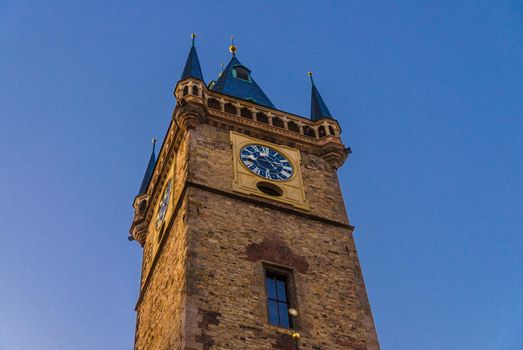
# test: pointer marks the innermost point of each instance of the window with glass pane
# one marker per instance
(242, 73)
(277, 299)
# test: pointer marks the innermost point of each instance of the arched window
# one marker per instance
(331, 130)
(230, 108)
(278, 122)
(214, 104)
(195, 90)
(293, 126)
(321, 131)
(262, 117)
(308, 131)
(185, 90)
(246, 113)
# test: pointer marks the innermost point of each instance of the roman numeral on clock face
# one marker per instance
(266, 162)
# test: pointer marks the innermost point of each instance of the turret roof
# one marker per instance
(319, 109)
(148, 171)
(192, 66)
(236, 80)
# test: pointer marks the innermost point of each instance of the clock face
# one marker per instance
(164, 204)
(266, 162)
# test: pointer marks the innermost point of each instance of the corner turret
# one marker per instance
(319, 109)
(148, 171)
(192, 66)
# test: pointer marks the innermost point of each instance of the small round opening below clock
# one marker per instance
(270, 189)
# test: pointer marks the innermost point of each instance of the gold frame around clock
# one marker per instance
(291, 191)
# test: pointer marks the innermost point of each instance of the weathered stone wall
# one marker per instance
(161, 308)
(230, 240)
(161, 312)
(207, 289)
(178, 173)
(212, 164)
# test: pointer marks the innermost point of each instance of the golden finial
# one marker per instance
(193, 36)
(296, 336)
(232, 48)
(310, 76)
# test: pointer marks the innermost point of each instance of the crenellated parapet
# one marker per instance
(197, 104)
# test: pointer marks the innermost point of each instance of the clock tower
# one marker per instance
(246, 242)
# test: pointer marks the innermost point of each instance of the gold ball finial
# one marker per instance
(193, 35)
(309, 74)
(232, 48)
(296, 336)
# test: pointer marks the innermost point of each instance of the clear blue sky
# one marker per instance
(430, 98)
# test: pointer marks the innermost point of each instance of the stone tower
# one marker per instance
(246, 242)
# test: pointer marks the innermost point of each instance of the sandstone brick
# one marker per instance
(202, 285)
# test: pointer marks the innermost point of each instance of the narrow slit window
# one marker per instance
(278, 305)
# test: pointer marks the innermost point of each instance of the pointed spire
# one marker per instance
(235, 80)
(149, 171)
(192, 66)
(319, 109)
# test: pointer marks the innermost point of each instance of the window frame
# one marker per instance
(290, 293)
(235, 73)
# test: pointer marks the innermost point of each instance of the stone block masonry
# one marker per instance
(203, 284)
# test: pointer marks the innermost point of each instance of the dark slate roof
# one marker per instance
(319, 109)
(192, 66)
(148, 172)
(246, 90)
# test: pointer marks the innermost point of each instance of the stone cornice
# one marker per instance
(321, 137)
